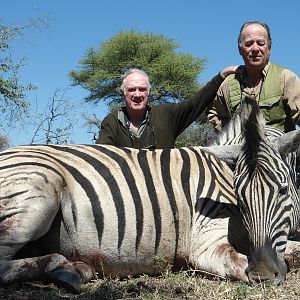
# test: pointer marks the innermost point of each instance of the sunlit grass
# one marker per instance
(181, 285)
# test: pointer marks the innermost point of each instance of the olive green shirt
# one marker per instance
(165, 122)
(220, 111)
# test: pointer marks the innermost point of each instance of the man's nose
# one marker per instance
(137, 93)
(255, 47)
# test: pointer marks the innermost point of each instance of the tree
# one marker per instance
(13, 102)
(173, 74)
(93, 123)
(198, 133)
(56, 124)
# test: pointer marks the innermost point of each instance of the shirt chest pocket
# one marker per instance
(273, 109)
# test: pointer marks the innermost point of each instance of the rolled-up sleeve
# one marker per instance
(291, 92)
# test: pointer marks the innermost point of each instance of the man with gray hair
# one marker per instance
(275, 88)
(136, 125)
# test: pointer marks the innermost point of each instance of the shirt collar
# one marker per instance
(243, 74)
(124, 119)
(266, 69)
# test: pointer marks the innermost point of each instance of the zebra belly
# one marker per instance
(128, 257)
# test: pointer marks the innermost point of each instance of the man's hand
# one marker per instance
(231, 70)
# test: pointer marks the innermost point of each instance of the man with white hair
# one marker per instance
(136, 125)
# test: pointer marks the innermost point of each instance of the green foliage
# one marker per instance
(196, 134)
(173, 75)
(13, 102)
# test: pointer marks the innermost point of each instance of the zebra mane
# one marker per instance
(253, 125)
(246, 128)
(239, 128)
(230, 132)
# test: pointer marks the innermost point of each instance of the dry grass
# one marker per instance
(170, 285)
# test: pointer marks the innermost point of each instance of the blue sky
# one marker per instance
(203, 28)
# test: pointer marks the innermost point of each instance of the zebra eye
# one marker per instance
(283, 191)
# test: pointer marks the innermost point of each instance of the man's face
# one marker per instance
(254, 46)
(136, 92)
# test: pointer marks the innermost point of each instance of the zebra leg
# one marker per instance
(220, 259)
(49, 268)
(24, 218)
(28, 269)
(23, 221)
(70, 275)
(212, 253)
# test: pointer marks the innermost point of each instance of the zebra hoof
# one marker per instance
(66, 278)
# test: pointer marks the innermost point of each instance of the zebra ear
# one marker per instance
(289, 142)
(228, 153)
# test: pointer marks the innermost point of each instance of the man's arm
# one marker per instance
(188, 111)
(291, 92)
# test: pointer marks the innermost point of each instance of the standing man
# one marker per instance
(276, 89)
(137, 125)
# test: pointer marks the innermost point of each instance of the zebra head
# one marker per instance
(265, 186)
